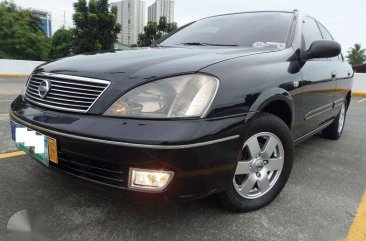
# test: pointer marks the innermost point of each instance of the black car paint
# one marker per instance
(250, 80)
(128, 69)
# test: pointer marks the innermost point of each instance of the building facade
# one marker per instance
(161, 8)
(131, 16)
(46, 21)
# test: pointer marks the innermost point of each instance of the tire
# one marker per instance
(335, 130)
(263, 129)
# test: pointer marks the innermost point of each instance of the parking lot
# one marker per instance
(319, 202)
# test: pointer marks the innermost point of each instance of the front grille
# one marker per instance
(103, 173)
(68, 93)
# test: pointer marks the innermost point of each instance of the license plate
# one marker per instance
(39, 146)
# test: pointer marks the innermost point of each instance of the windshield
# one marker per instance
(259, 29)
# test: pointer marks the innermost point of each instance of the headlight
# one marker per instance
(181, 96)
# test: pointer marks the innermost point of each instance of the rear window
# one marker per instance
(260, 29)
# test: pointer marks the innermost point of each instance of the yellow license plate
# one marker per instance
(52, 150)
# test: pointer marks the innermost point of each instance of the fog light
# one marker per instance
(149, 180)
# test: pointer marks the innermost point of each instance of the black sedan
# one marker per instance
(215, 107)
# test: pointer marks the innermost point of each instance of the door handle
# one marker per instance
(334, 75)
(295, 84)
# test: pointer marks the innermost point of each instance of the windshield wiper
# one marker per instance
(208, 44)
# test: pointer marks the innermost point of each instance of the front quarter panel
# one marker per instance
(248, 83)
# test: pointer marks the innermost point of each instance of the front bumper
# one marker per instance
(201, 153)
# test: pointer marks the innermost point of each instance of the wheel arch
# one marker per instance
(275, 101)
(348, 98)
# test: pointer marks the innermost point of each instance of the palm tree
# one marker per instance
(356, 55)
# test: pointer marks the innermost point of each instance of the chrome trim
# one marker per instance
(342, 116)
(52, 102)
(76, 97)
(43, 86)
(64, 82)
(338, 102)
(40, 76)
(71, 92)
(73, 88)
(76, 101)
(318, 111)
(117, 143)
(72, 77)
(311, 133)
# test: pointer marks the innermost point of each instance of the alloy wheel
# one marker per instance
(260, 167)
(342, 116)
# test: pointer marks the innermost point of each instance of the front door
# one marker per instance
(319, 81)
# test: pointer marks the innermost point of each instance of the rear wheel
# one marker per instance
(265, 165)
(335, 130)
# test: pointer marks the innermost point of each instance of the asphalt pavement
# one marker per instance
(319, 201)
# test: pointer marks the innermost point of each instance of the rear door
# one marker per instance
(319, 81)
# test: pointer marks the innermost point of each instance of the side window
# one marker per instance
(310, 32)
(328, 36)
(341, 57)
(325, 32)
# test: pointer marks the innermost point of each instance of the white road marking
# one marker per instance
(360, 101)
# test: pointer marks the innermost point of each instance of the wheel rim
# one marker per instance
(260, 166)
(342, 116)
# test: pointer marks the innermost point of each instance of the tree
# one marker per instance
(61, 43)
(95, 26)
(356, 55)
(20, 34)
(150, 35)
(154, 31)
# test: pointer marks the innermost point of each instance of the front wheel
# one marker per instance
(264, 166)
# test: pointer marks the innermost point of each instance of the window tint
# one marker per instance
(325, 33)
(243, 29)
(328, 36)
(310, 32)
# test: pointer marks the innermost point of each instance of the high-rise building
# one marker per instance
(131, 16)
(161, 8)
(46, 21)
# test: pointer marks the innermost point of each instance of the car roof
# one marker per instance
(226, 14)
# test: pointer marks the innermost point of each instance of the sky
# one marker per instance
(346, 20)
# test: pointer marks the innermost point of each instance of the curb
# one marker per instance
(12, 154)
(361, 94)
(14, 75)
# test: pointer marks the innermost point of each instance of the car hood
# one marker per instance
(145, 63)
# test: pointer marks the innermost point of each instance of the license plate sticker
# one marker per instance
(39, 146)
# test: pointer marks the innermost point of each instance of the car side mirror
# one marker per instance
(323, 49)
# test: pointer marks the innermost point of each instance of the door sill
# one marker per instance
(310, 134)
